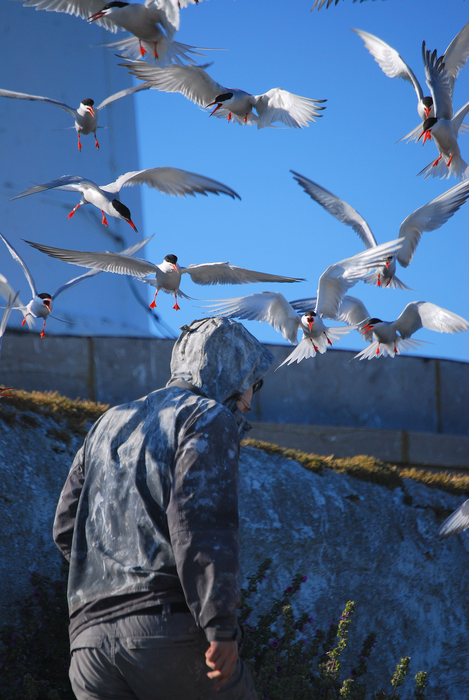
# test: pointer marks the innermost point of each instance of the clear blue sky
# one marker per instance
(350, 151)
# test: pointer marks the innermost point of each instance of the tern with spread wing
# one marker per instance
(152, 25)
(167, 274)
(235, 105)
(443, 127)
(42, 303)
(393, 337)
(274, 309)
(393, 65)
(86, 116)
(105, 197)
(7, 292)
(427, 218)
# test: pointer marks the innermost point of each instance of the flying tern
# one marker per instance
(394, 66)
(457, 521)
(7, 292)
(145, 22)
(105, 197)
(392, 337)
(167, 274)
(235, 105)
(42, 303)
(86, 116)
(443, 127)
(274, 309)
(427, 218)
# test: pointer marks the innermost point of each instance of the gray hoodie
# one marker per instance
(149, 511)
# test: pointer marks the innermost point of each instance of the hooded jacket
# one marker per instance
(149, 511)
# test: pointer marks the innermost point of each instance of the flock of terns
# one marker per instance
(151, 54)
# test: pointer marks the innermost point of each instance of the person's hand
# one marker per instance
(222, 658)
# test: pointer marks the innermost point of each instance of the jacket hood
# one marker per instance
(220, 357)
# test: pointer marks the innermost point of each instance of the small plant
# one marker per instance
(289, 666)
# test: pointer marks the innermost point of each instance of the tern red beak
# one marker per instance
(96, 16)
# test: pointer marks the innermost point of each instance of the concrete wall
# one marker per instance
(402, 394)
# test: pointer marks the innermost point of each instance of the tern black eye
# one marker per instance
(88, 102)
(171, 259)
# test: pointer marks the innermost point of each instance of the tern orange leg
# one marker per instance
(42, 332)
(327, 338)
(379, 280)
(104, 221)
(437, 161)
(155, 52)
(448, 163)
(229, 117)
(142, 49)
(153, 303)
(24, 320)
(96, 142)
(377, 350)
(74, 209)
(79, 143)
(176, 306)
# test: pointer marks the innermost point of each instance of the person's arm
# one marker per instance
(65, 515)
(203, 518)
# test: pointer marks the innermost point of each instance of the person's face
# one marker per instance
(244, 401)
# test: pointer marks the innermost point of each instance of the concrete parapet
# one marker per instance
(406, 394)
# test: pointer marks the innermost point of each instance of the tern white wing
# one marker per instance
(171, 181)
(191, 81)
(429, 218)
(21, 262)
(92, 273)
(390, 62)
(37, 98)
(123, 93)
(105, 262)
(278, 105)
(268, 307)
(420, 314)
(340, 277)
(342, 211)
(70, 183)
(439, 83)
(457, 53)
(10, 304)
(80, 8)
(457, 521)
(224, 273)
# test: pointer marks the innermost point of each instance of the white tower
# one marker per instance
(56, 55)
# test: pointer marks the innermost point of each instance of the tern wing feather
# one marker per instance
(171, 181)
(429, 218)
(37, 98)
(80, 8)
(420, 314)
(390, 62)
(457, 521)
(21, 262)
(439, 83)
(70, 183)
(191, 81)
(342, 211)
(268, 307)
(123, 93)
(340, 277)
(105, 262)
(224, 273)
(279, 105)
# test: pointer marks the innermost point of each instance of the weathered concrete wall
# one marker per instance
(404, 393)
(354, 540)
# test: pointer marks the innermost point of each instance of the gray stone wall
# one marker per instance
(400, 394)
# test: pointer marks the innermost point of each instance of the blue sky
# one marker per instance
(351, 151)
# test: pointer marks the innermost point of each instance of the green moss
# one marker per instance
(75, 412)
(368, 469)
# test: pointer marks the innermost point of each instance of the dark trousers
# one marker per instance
(149, 657)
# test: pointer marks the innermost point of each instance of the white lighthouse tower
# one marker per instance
(57, 55)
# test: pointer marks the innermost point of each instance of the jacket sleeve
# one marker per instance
(203, 519)
(65, 515)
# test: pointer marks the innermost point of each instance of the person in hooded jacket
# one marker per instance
(148, 518)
